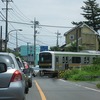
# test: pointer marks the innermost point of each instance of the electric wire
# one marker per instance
(33, 24)
(18, 38)
(16, 14)
(11, 25)
(21, 12)
(2, 15)
(39, 25)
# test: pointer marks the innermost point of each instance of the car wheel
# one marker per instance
(24, 98)
(26, 89)
(30, 84)
(34, 75)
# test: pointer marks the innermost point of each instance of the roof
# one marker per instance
(80, 26)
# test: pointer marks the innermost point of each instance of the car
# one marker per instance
(12, 79)
(20, 63)
(35, 70)
(28, 73)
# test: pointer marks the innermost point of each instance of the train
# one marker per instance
(50, 62)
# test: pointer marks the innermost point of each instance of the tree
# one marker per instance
(55, 48)
(91, 14)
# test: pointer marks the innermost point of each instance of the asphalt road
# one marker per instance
(45, 88)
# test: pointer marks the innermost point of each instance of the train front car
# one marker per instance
(46, 64)
(45, 60)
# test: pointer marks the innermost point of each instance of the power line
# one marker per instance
(55, 26)
(39, 25)
(21, 12)
(16, 14)
(12, 43)
(18, 22)
(18, 39)
(2, 15)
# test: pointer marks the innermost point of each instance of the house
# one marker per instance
(84, 36)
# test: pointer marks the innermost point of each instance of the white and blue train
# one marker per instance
(50, 62)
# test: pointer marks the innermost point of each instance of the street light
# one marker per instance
(12, 31)
(16, 36)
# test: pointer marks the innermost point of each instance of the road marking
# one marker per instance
(40, 91)
(92, 89)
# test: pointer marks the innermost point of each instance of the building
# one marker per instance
(84, 36)
(27, 52)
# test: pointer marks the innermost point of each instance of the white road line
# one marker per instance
(81, 86)
(92, 89)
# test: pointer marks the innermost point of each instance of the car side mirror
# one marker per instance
(3, 67)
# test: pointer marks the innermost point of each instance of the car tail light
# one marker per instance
(16, 76)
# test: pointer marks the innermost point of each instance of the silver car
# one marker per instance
(12, 79)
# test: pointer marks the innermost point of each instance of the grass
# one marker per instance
(87, 73)
(98, 85)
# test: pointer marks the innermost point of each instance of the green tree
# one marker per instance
(91, 14)
(72, 48)
(55, 48)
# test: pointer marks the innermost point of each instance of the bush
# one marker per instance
(98, 85)
(89, 73)
(96, 61)
(65, 74)
(81, 76)
(91, 68)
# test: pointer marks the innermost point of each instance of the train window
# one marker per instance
(85, 60)
(46, 57)
(57, 59)
(63, 59)
(66, 59)
(88, 59)
(76, 59)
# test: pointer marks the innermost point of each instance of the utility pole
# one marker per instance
(78, 31)
(0, 38)
(57, 38)
(27, 51)
(35, 31)
(6, 29)
(16, 42)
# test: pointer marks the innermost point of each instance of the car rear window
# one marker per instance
(7, 60)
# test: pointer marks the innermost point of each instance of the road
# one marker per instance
(45, 88)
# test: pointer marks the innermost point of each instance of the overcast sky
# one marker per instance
(47, 12)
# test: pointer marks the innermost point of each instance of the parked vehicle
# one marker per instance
(28, 73)
(12, 79)
(35, 70)
(19, 61)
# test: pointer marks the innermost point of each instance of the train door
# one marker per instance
(57, 63)
(65, 62)
(86, 60)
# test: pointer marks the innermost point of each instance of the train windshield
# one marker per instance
(45, 60)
